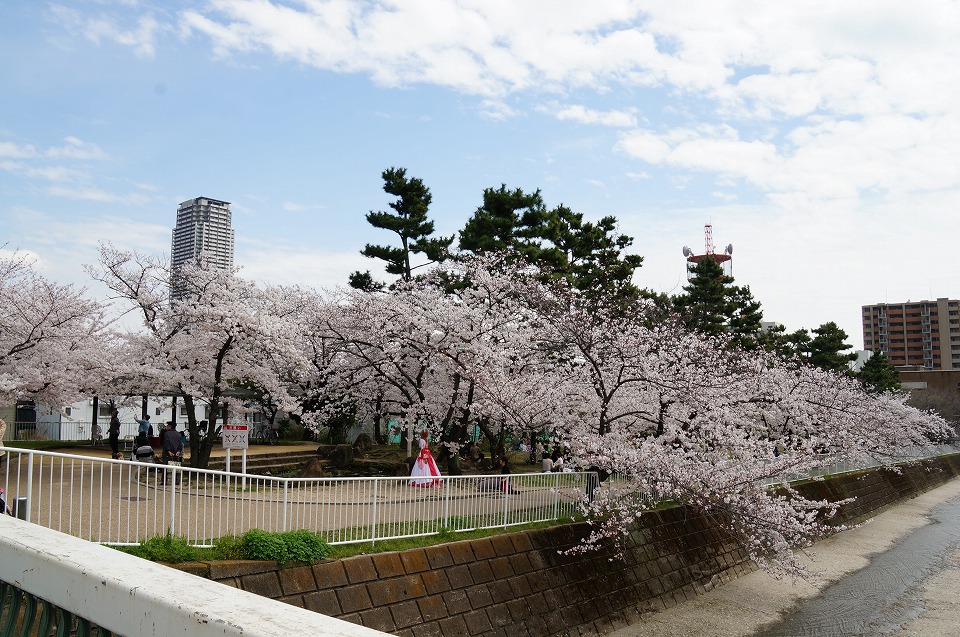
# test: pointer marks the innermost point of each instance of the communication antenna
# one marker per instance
(724, 260)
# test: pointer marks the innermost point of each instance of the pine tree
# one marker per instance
(409, 221)
(879, 375)
(590, 256)
(826, 349)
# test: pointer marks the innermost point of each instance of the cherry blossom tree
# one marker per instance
(687, 417)
(679, 415)
(52, 338)
(206, 348)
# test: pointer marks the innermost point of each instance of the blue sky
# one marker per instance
(820, 138)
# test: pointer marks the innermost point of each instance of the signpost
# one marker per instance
(236, 437)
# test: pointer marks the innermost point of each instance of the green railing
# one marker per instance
(23, 615)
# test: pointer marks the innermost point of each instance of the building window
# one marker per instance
(68, 411)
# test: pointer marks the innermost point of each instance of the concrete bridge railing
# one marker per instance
(104, 591)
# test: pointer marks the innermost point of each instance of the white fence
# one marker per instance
(65, 429)
(122, 502)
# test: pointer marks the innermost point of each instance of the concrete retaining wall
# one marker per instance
(519, 584)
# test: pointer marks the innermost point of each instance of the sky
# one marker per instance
(820, 139)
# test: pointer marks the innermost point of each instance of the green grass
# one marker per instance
(299, 546)
(444, 536)
(290, 546)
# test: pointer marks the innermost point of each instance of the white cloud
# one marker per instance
(76, 148)
(141, 37)
(584, 115)
(300, 265)
(496, 110)
(63, 244)
(50, 173)
(97, 194)
(9, 149)
(293, 206)
(825, 98)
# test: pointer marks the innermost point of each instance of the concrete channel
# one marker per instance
(896, 575)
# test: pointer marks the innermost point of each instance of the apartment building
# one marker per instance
(202, 230)
(922, 334)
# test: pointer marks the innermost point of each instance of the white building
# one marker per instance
(75, 421)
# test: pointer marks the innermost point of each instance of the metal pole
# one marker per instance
(173, 494)
(506, 501)
(93, 419)
(446, 503)
(20, 508)
(26, 508)
(373, 522)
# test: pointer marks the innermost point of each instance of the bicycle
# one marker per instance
(266, 434)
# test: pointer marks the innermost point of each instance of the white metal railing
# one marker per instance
(123, 502)
(66, 429)
(80, 583)
(840, 465)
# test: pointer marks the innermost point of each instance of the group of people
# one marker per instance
(550, 462)
(171, 440)
(426, 474)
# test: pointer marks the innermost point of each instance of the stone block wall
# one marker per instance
(525, 585)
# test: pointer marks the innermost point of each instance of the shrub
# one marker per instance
(228, 547)
(164, 548)
(291, 546)
(305, 546)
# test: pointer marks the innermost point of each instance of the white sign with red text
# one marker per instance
(235, 436)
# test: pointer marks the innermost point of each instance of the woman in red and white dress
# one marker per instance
(425, 472)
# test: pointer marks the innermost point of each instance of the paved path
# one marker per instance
(753, 603)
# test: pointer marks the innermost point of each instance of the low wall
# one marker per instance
(522, 585)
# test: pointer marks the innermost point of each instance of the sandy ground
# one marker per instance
(747, 604)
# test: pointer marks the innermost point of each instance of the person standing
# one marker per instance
(172, 445)
(113, 433)
(143, 425)
(3, 432)
(505, 485)
(143, 431)
(425, 472)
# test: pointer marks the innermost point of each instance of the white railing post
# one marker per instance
(286, 501)
(26, 514)
(172, 484)
(373, 513)
(505, 494)
(446, 503)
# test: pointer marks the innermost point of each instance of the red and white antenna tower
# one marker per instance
(725, 260)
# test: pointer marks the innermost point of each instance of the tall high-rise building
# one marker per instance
(922, 333)
(203, 231)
